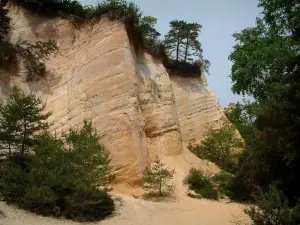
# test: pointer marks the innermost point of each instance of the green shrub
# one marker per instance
(4, 21)
(57, 177)
(122, 10)
(223, 181)
(219, 147)
(88, 205)
(157, 179)
(184, 68)
(201, 184)
(272, 208)
(53, 7)
(33, 56)
(40, 199)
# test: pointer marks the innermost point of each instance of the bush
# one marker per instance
(157, 179)
(201, 184)
(33, 56)
(184, 68)
(89, 205)
(219, 147)
(4, 21)
(223, 181)
(60, 177)
(272, 208)
(122, 10)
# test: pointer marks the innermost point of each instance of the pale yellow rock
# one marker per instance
(140, 112)
(197, 106)
(157, 103)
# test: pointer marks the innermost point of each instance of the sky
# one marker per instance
(220, 19)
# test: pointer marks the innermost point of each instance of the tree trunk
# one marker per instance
(186, 49)
(23, 141)
(9, 150)
(160, 191)
(177, 51)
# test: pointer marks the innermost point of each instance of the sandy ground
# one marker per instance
(181, 210)
(131, 211)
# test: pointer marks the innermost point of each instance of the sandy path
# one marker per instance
(139, 212)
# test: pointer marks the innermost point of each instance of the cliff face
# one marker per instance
(140, 111)
(197, 107)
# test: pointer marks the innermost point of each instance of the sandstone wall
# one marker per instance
(197, 107)
(157, 103)
(91, 77)
(138, 110)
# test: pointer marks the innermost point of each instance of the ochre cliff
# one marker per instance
(140, 112)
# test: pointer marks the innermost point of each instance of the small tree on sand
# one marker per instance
(157, 178)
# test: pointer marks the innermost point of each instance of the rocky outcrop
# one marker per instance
(138, 109)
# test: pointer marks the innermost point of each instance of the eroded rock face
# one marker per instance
(197, 107)
(139, 112)
(157, 104)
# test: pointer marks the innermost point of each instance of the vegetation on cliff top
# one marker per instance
(141, 30)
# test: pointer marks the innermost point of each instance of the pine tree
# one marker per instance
(21, 121)
(34, 55)
(182, 41)
(158, 177)
(62, 177)
(192, 46)
(7, 132)
(91, 158)
(175, 39)
(148, 29)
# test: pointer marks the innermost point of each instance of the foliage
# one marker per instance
(8, 54)
(157, 178)
(89, 206)
(47, 175)
(184, 68)
(175, 38)
(272, 208)
(223, 181)
(88, 155)
(141, 30)
(62, 179)
(7, 51)
(201, 184)
(260, 61)
(53, 7)
(4, 21)
(33, 56)
(244, 119)
(266, 66)
(150, 34)
(220, 147)
(21, 120)
(183, 47)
